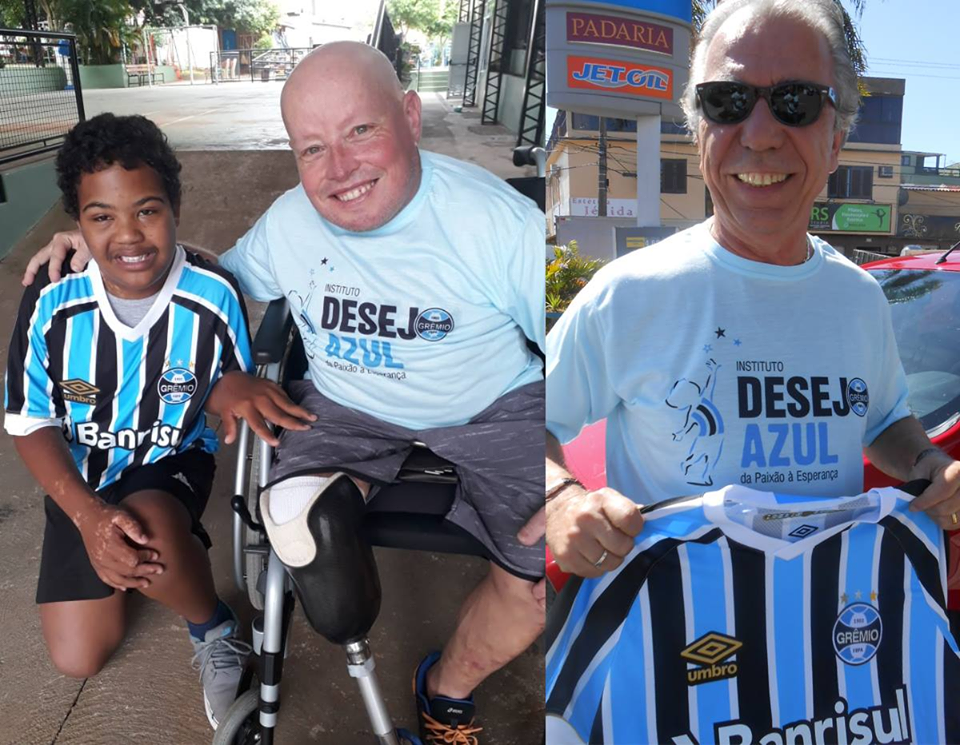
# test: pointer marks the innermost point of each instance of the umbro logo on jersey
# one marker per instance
(803, 531)
(79, 391)
(710, 651)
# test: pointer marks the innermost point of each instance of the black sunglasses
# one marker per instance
(794, 104)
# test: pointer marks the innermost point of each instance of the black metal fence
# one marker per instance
(255, 64)
(40, 96)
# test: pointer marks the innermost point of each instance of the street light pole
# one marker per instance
(186, 21)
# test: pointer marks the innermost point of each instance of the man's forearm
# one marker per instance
(45, 454)
(556, 465)
(896, 449)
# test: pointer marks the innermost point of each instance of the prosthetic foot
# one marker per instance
(328, 560)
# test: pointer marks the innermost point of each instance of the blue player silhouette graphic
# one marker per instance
(699, 413)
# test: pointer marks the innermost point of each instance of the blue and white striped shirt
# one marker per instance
(124, 396)
(750, 617)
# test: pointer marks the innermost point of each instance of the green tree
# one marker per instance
(258, 17)
(13, 13)
(102, 28)
(441, 26)
(413, 14)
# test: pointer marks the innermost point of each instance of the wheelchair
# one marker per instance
(408, 514)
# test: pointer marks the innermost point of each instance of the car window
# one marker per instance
(925, 306)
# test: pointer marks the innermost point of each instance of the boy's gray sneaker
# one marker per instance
(220, 659)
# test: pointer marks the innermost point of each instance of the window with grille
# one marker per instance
(851, 182)
(673, 176)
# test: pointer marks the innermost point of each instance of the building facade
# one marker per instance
(497, 64)
(857, 209)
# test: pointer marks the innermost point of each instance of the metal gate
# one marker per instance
(40, 97)
(255, 64)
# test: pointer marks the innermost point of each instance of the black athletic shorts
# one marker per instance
(65, 569)
(498, 455)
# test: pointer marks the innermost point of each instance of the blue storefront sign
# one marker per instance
(679, 9)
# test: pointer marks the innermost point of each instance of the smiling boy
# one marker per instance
(109, 373)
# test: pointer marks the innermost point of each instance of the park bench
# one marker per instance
(143, 74)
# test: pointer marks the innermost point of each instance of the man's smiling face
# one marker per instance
(764, 176)
(354, 134)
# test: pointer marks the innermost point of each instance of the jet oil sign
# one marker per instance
(647, 81)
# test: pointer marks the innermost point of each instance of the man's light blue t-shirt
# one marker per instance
(712, 370)
(422, 322)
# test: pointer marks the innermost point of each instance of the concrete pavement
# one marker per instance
(148, 693)
(246, 116)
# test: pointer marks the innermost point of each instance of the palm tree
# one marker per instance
(858, 53)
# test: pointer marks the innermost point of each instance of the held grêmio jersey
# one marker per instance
(743, 617)
(124, 396)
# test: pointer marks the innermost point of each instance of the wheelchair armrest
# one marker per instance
(271, 339)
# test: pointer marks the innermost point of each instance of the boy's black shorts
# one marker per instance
(65, 569)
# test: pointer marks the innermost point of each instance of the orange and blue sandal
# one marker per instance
(443, 720)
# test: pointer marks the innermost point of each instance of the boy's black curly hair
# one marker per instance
(106, 139)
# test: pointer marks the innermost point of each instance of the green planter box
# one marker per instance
(103, 76)
(16, 80)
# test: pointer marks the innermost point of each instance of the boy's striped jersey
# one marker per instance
(748, 617)
(124, 396)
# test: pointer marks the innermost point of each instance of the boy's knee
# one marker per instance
(162, 516)
(79, 664)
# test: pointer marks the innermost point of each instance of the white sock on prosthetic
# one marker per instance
(289, 497)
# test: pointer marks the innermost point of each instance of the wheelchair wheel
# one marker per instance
(240, 726)
(254, 563)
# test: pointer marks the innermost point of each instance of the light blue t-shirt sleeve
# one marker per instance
(525, 279)
(580, 390)
(888, 404)
(249, 261)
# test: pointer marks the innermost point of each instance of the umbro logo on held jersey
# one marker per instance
(79, 391)
(803, 531)
(711, 650)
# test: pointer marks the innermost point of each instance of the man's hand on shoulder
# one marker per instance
(55, 252)
(259, 402)
(589, 533)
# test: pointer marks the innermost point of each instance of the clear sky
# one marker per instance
(916, 40)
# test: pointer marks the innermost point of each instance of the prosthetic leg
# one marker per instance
(335, 575)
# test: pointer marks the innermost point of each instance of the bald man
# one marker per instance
(415, 281)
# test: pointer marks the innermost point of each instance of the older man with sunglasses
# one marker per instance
(741, 350)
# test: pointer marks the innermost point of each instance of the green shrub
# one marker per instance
(567, 273)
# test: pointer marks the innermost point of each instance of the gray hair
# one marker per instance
(823, 16)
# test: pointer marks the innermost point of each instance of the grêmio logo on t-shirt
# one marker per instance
(348, 316)
(778, 397)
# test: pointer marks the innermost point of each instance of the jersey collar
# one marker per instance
(159, 307)
(882, 502)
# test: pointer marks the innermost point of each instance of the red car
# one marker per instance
(924, 295)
